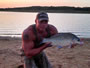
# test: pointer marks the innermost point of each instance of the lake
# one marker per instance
(13, 23)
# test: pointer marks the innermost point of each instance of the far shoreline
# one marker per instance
(49, 9)
(53, 11)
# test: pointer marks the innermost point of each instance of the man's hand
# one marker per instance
(73, 45)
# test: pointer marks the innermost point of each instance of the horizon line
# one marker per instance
(45, 6)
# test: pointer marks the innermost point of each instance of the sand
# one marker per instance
(77, 57)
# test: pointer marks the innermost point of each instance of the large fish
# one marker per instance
(63, 40)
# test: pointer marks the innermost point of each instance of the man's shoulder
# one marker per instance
(28, 29)
(53, 29)
(50, 25)
(28, 33)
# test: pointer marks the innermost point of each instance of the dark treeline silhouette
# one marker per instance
(53, 9)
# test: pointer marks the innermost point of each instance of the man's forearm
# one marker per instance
(36, 51)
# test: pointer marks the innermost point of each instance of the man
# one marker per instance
(31, 38)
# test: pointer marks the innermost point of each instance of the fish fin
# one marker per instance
(70, 46)
(59, 47)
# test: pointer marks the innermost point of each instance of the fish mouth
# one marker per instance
(81, 43)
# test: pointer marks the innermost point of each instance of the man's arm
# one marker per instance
(28, 46)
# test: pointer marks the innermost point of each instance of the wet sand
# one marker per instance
(77, 57)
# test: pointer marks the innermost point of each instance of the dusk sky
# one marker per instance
(24, 3)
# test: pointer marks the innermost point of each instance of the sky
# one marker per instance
(26, 3)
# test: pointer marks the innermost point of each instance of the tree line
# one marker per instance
(49, 9)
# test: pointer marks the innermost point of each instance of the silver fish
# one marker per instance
(63, 40)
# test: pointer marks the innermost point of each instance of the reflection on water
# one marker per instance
(13, 23)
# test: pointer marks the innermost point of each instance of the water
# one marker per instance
(13, 23)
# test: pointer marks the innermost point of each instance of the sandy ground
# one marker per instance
(77, 57)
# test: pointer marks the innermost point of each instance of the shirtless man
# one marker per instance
(31, 38)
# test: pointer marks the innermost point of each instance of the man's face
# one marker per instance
(42, 25)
